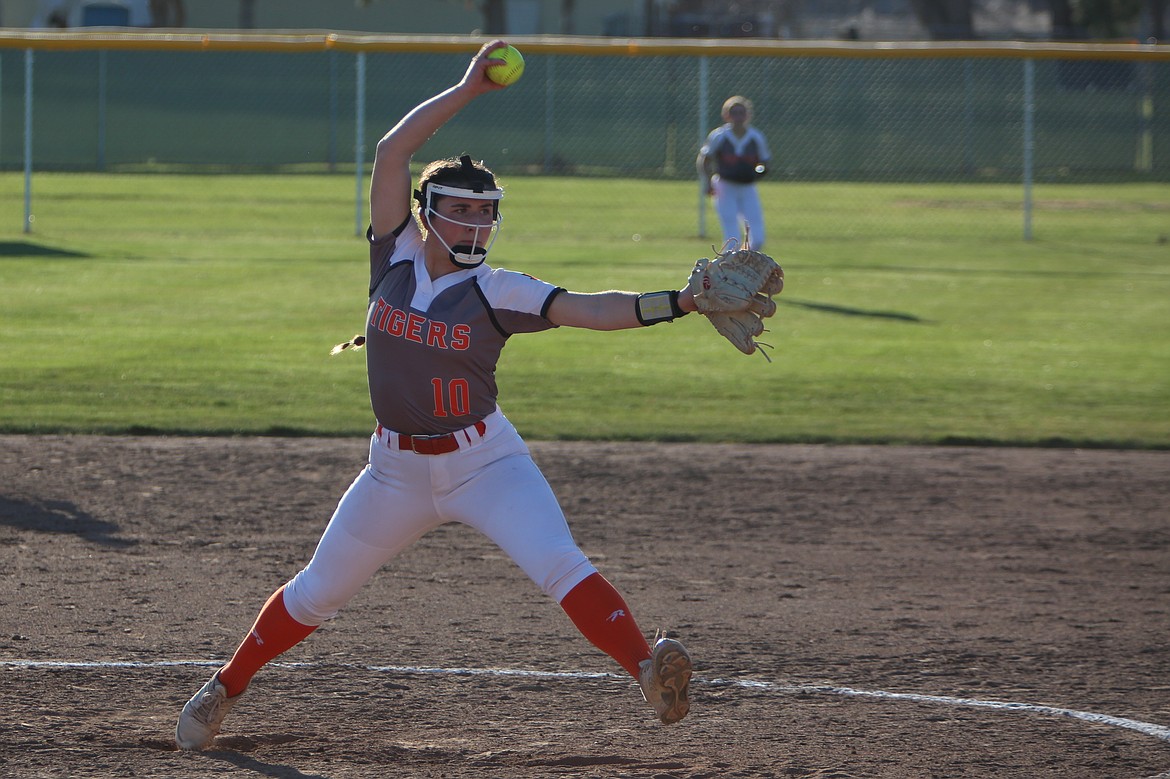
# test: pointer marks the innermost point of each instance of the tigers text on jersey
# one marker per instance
(432, 345)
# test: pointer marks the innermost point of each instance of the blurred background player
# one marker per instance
(442, 450)
(734, 157)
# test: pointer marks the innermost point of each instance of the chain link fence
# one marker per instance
(839, 112)
(861, 115)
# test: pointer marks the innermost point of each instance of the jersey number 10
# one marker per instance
(455, 401)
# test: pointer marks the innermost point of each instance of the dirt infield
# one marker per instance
(853, 612)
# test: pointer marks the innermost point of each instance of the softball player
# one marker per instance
(442, 451)
(733, 158)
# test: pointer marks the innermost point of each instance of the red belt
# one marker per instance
(432, 444)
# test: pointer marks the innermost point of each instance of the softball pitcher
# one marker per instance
(442, 451)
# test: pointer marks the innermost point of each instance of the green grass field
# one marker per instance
(912, 314)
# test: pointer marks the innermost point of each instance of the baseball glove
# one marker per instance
(741, 328)
(736, 280)
(734, 291)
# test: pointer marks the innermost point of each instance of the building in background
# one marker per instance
(83, 13)
(890, 20)
(439, 17)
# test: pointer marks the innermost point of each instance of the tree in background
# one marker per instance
(247, 14)
(946, 19)
(1157, 9)
(167, 13)
(495, 21)
(1071, 19)
(495, 17)
(943, 19)
(733, 18)
(1102, 19)
(567, 9)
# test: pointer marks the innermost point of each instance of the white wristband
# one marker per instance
(654, 307)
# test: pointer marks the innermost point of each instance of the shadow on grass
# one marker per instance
(847, 311)
(1036, 273)
(30, 249)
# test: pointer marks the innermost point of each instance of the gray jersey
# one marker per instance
(736, 158)
(432, 346)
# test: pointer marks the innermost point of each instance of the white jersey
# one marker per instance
(432, 345)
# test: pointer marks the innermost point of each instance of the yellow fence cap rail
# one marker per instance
(308, 41)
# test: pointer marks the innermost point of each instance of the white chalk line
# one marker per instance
(1160, 732)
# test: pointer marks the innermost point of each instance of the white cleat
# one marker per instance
(203, 714)
(665, 680)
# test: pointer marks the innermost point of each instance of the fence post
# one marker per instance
(359, 142)
(1029, 142)
(1144, 158)
(28, 109)
(101, 140)
(332, 110)
(968, 119)
(549, 80)
(703, 84)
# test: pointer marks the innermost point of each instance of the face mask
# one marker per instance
(473, 254)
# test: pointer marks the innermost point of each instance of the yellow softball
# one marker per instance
(510, 70)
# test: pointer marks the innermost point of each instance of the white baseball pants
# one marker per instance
(491, 484)
(738, 205)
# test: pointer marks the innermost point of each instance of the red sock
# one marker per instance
(602, 616)
(273, 633)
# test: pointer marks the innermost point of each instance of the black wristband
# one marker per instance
(654, 307)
